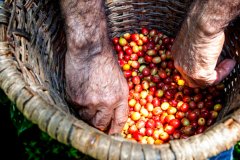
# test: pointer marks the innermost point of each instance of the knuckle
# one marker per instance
(92, 100)
(114, 100)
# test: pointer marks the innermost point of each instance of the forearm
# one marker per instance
(212, 16)
(85, 26)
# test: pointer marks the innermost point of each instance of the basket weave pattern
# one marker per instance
(32, 48)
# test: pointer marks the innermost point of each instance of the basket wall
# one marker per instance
(38, 44)
(131, 15)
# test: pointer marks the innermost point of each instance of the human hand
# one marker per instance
(196, 56)
(94, 81)
(98, 91)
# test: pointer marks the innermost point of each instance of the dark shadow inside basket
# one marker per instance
(231, 49)
(39, 41)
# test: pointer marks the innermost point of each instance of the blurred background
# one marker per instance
(22, 140)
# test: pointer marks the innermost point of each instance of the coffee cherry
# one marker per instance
(201, 121)
(161, 106)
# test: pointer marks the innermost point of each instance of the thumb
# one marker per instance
(223, 69)
(120, 118)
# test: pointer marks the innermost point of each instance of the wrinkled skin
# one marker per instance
(199, 43)
(196, 57)
(94, 82)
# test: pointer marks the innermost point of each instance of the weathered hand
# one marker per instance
(196, 54)
(99, 91)
(94, 81)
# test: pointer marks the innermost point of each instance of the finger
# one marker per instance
(189, 81)
(86, 113)
(223, 70)
(120, 118)
(102, 118)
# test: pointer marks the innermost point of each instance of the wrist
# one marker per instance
(208, 29)
(211, 16)
(90, 55)
(84, 40)
(200, 20)
(204, 28)
(85, 26)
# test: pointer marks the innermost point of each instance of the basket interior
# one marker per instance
(38, 40)
(167, 16)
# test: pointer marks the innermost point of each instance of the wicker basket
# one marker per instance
(32, 48)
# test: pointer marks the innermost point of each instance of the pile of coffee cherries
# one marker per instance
(161, 106)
